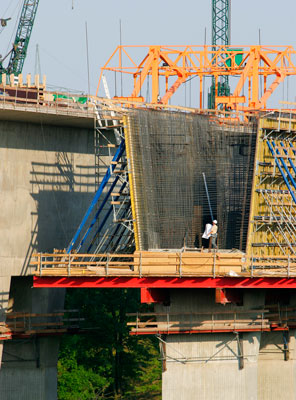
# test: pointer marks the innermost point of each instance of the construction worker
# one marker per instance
(206, 237)
(214, 234)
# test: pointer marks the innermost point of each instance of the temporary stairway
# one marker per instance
(107, 226)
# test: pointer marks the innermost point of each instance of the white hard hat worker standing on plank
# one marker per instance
(214, 234)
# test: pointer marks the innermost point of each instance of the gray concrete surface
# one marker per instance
(206, 366)
(47, 180)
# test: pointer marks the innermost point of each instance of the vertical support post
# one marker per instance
(168, 322)
(239, 339)
(163, 346)
(107, 264)
(252, 263)
(200, 91)
(180, 264)
(155, 78)
(69, 264)
(249, 90)
(40, 263)
(255, 78)
(286, 346)
(140, 267)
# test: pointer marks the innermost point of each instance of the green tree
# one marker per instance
(107, 362)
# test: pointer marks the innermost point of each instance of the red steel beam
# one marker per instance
(162, 282)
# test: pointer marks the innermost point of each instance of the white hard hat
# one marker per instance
(215, 222)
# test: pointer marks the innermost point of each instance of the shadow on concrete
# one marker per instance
(62, 192)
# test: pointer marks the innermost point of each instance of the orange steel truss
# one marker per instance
(177, 64)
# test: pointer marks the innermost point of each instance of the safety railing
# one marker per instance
(37, 99)
(23, 324)
(164, 264)
(202, 322)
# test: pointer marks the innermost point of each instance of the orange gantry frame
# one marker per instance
(176, 64)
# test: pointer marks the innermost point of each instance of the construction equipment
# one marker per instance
(178, 63)
(21, 42)
(220, 36)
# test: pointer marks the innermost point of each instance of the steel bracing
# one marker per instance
(272, 230)
(170, 66)
(107, 226)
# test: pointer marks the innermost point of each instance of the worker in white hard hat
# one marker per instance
(206, 237)
(214, 234)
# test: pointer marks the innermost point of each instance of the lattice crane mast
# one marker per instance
(220, 37)
(19, 49)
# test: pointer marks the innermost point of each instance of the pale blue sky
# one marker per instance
(60, 31)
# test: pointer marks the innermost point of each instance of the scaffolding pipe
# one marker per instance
(99, 192)
(281, 171)
(208, 196)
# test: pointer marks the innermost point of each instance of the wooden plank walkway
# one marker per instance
(164, 264)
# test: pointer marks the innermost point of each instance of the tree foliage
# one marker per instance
(107, 363)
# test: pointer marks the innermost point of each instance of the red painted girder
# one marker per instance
(162, 282)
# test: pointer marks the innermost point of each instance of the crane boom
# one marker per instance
(22, 38)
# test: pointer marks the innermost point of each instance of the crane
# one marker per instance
(23, 34)
(221, 13)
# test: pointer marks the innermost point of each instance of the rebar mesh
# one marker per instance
(169, 152)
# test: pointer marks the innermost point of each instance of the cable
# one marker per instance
(16, 23)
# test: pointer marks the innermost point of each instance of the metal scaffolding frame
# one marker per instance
(272, 228)
(107, 226)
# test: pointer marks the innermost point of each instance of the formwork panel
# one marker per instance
(169, 153)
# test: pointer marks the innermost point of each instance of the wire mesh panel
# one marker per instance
(170, 152)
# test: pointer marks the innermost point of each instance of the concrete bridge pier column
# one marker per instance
(208, 366)
(29, 365)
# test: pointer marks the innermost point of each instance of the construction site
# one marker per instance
(106, 192)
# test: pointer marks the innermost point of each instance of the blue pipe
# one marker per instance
(99, 229)
(103, 222)
(104, 182)
(97, 214)
(117, 229)
(290, 161)
(282, 172)
(285, 166)
(293, 148)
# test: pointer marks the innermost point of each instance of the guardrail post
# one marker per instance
(168, 322)
(288, 270)
(69, 265)
(214, 266)
(40, 267)
(107, 264)
(180, 265)
(140, 267)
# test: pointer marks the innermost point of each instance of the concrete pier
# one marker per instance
(204, 366)
(47, 180)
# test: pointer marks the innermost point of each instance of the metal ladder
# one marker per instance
(107, 225)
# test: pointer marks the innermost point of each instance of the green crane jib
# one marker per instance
(22, 38)
(220, 36)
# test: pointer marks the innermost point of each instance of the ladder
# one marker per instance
(107, 226)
